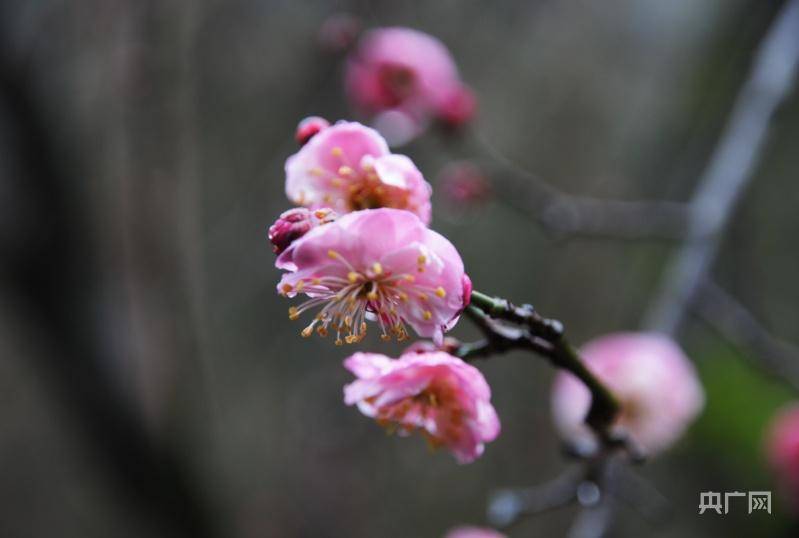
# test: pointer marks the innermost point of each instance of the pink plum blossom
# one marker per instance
(657, 387)
(348, 167)
(474, 532)
(782, 450)
(410, 72)
(383, 265)
(445, 399)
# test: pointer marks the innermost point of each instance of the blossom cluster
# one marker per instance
(358, 250)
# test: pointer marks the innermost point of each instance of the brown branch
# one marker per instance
(544, 337)
(563, 214)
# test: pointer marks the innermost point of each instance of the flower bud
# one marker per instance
(294, 223)
(458, 108)
(308, 127)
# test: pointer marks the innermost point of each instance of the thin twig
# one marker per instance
(730, 169)
(563, 214)
(738, 326)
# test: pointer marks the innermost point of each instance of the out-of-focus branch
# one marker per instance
(50, 277)
(738, 326)
(730, 169)
(545, 337)
(563, 214)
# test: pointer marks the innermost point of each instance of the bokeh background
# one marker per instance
(150, 381)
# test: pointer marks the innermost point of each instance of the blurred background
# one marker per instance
(151, 382)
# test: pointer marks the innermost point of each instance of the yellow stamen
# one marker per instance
(440, 292)
(337, 152)
(427, 315)
(423, 297)
(377, 268)
(321, 213)
(353, 277)
(293, 313)
(344, 171)
(287, 288)
(300, 286)
(372, 296)
(421, 260)
(333, 254)
(321, 331)
(307, 332)
(316, 171)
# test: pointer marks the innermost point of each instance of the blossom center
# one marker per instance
(374, 291)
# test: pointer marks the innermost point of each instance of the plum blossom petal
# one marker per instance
(348, 167)
(657, 387)
(382, 265)
(439, 395)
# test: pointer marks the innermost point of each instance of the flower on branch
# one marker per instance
(445, 399)
(655, 383)
(407, 74)
(382, 265)
(349, 167)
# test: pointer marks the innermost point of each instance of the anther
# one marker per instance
(427, 315)
(440, 292)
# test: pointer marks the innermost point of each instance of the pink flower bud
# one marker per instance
(381, 265)
(462, 184)
(439, 395)
(309, 127)
(655, 383)
(290, 226)
(782, 451)
(458, 107)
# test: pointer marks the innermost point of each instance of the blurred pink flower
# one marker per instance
(349, 167)
(656, 384)
(462, 184)
(444, 398)
(782, 450)
(474, 532)
(408, 71)
(380, 264)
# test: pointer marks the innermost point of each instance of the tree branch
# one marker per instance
(546, 338)
(738, 326)
(564, 214)
(730, 169)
